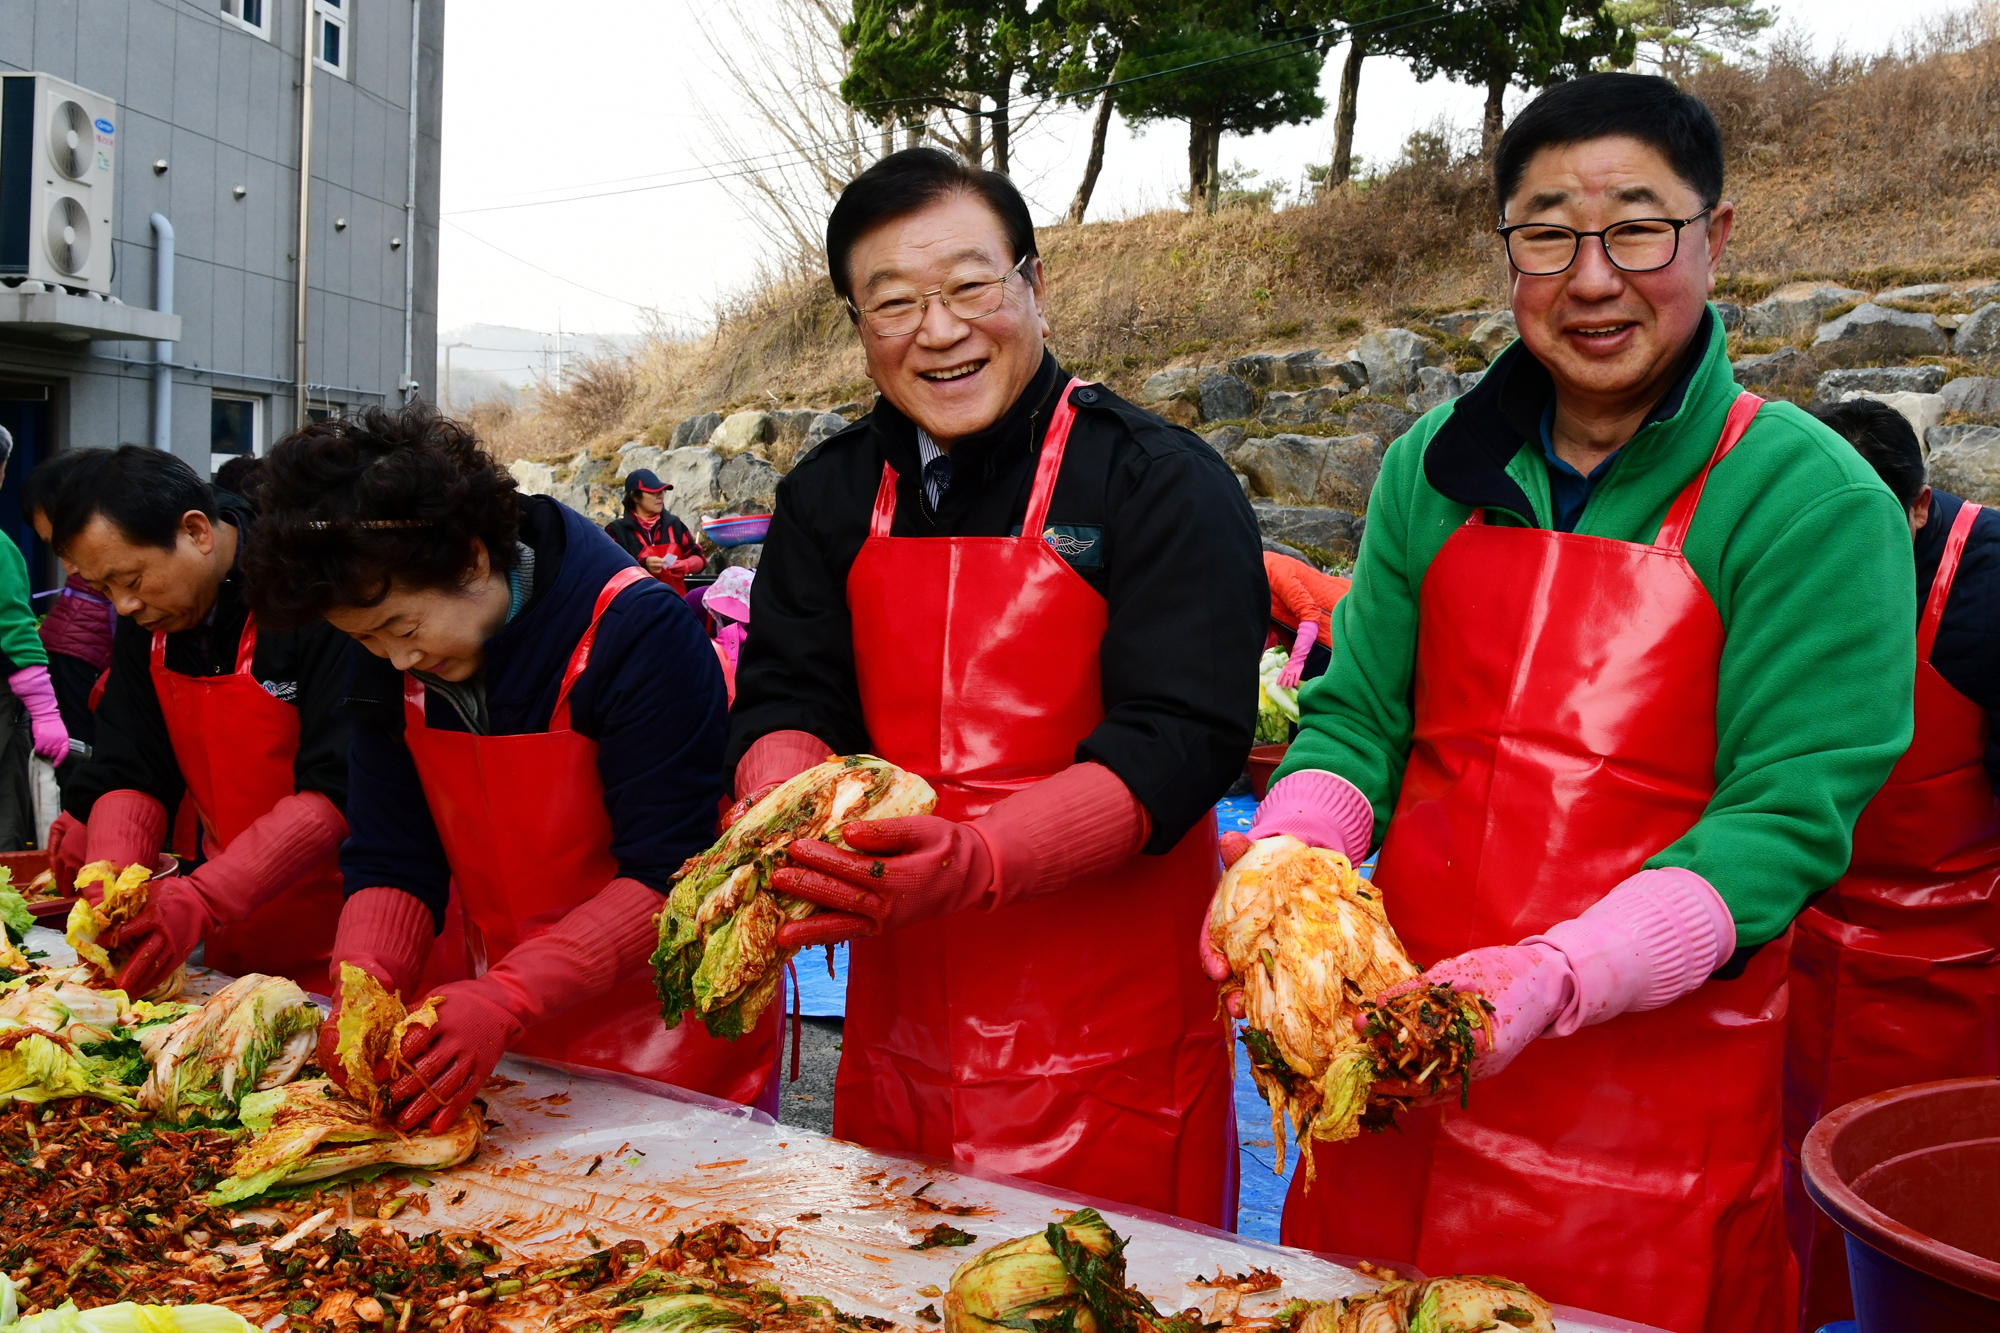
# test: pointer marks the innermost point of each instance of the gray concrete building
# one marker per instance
(199, 129)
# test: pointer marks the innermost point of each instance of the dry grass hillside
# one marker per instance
(1869, 172)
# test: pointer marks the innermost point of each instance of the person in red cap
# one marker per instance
(652, 536)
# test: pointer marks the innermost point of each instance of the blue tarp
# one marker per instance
(1262, 1195)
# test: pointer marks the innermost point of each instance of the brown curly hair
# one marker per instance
(348, 507)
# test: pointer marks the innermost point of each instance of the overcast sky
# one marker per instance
(608, 96)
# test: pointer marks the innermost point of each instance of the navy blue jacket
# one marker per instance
(1967, 651)
(652, 698)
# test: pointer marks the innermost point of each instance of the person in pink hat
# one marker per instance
(728, 607)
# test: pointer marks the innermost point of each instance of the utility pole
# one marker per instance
(559, 350)
(447, 374)
(300, 394)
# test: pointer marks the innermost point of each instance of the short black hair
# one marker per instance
(241, 476)
(909, 182)
(1645, 107)
(144, 493)
(1884, 437)
(42, 484)
(351, 506)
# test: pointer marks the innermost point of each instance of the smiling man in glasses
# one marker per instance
(1049, 603)
(1627, 652)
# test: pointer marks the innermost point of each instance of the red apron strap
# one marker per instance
(885, 504)
(246, 649)
(1054, 441)
(1947, 570)
(578, 660)
(1674, 531)
(246, 646)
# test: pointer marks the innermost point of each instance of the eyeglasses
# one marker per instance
(1638, 245)
(967, 295)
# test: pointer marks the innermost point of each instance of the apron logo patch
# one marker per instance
(1079, 544)
(285, 691)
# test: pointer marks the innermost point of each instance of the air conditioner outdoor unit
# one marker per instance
(58, 151)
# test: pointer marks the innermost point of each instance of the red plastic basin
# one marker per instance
(1912, 1176)
(1264, 761)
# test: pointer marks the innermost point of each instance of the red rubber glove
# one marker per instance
(127, 828)
(1081, 822)
(777, 756)
(386, 933)
(579, 959)
(1234, 845)
(449, 1060)
(742, 807)
(69, 848)
(913, 869)
(288, 840)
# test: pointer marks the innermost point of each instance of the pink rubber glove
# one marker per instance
(386, 933)
(127, 828)
(579, 959)
(1318, 808)
(288, 840)
(1295, 665)
(777, 756)
(31, 686)
(69, 850)
(1078, 823)
(692, 564)
(1648, 942)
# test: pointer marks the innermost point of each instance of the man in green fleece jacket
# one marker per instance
(1624, 657)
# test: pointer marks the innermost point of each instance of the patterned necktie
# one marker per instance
(937, 476)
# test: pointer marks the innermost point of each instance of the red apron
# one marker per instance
(524, 827)
(1565, 732)
(1071, 1039)
(236, 745)
(1894, 977)
(667, 553)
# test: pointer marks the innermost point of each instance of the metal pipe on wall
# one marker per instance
(410, 213)
(305, 206)
(163, 352)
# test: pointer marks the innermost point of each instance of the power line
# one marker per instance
(746, 166)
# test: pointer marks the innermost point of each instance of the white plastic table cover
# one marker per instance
(574, 1156)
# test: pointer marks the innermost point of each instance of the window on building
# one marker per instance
(250, 14)
(235, 429)
(330, 35)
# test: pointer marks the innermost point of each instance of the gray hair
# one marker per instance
(6, 446)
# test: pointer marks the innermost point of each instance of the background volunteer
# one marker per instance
(1302, 602)
(78, 625)
(652, 536)
(1895, 973)
(30, 720)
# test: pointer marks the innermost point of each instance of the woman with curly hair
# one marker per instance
(535, 722)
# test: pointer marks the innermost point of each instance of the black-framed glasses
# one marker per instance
(1636, 245)
(967, 295)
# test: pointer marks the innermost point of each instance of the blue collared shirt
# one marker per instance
(1569, 490)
